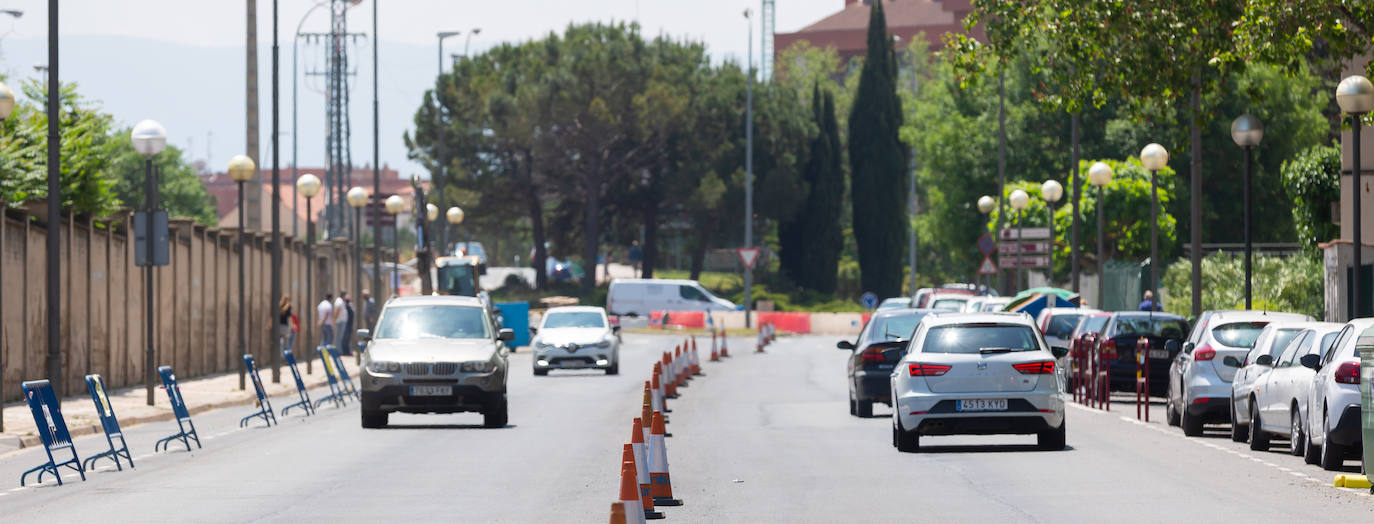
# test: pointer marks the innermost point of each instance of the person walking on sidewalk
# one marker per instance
(286, 318)
(343, 321)
(325, 315)
(369, 308)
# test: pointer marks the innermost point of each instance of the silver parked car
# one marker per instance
(977, 374)
(1280, 398)
(576, 337)
(434, 354)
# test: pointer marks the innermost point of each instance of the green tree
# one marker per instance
(1313, 181)
(87, 150)
(1280, 284)
(878, 160)
(811, 241)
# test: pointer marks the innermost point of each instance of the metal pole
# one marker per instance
(396, 251)
(149, 205)
(1356, 171)
(1020, 247)
(357, 271)
(243, 299)
(309, 302)
(1049, 273)
(275, 358)
(54, 236)
(1195, 195)
(1154, 237)
(911, 203)
(1248, 245)
(1101, 261)
(1001, 159)
(439, 140)
(749, 180)
(1076, 183)
(376, 170)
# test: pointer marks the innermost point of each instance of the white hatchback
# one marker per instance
(1280, 398)
(1333, 414)
(576, 337)
(978, 374)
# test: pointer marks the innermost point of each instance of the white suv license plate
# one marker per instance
(983, 405)
(431, 391)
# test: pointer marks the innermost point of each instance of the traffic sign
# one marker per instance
(986, 245)
(1029, 233)
(748, 256)
(1027, 261)
(987, 267)
(868, 300)
(1026, 248)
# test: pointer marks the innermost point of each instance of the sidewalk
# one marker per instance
(130, 404)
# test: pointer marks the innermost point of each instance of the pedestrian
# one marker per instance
(325, 319)
(1150, 304)
(369, 308)
(635, 256)
(343, 320)
(286, 320)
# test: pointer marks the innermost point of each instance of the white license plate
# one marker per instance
(431, 391)
(573, 364)
(983, 405)
(1159, 353)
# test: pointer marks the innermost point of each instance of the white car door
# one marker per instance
(1322, 380)
(1278, 390)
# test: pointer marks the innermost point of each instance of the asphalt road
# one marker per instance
(761, 438)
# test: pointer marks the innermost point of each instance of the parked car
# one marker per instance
(868, 367)
(1333, 414)
(981, 374)
(1121, 336)
(1058, 323)
(1089, 325)
(1279, 400)
(1270, 344)
(1199, 386)
(576, 337)
(640, 296)
(944, 301)
(895, 303)
(434, 354)
(994, 304)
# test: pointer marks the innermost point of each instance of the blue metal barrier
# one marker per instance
(345, 382)
(264, 403)
(336, 392)
(300, 388)
(109, 424)
(47, 416)
(169, 383)
(516, 316)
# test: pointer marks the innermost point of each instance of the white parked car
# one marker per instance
(576, 337)
(1333, 414)
(978, 374)
(1199, 385)
(994, 304)
(1280, 400)
(641, 296)
(1270, 344)
(1058, 323)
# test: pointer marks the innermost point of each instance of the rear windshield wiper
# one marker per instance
(986, 351)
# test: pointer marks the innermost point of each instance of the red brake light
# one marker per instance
(870, 355)
(1035, 368)
(1348, 373)
(926, 370)
(1204, 352)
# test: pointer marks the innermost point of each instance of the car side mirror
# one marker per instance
(1313, 362)
(505, 335)
(534, 331)
(1171, 346)
(1231, 361)
(845, 345)
(1265, 360)
(1059, 352)
(363, 335)
(1188, 347)
(892, 354)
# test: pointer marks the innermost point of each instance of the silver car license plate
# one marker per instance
(999, 404)
(1159, 353)
(431, 391)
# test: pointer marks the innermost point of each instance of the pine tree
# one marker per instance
(877, 161)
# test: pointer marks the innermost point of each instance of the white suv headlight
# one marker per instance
(381, 366)
(483, 366)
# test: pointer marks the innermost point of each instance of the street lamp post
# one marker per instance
(294, 109)
(1051, 191)
(439, 125)
(241, 169)
(749, 173)
(985, 206)
(1019, 200)
(468, 41)
(395, 205)
(357, 198)
(1154, 157)
(149, 138)
(1247, 131)
(6, 107)
(1100, 175)
(1355, 95)
(308, 186)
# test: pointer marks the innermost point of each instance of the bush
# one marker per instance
(1291, 284)
(1312, 179)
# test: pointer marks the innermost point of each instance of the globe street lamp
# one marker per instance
(241, 169)
(1355, 95)
(308, 186)
(357, 198)
(1100, 175)
(985, 206)
(1051, 191)
(1019, 201)
(1246, 131)
(395, 205)
(454, 215)
(149, 138)
(1154, 157)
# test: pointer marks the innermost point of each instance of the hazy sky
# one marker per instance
(181, 61)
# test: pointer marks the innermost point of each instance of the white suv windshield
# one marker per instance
(980, 338)
(574, 319)
(417, 322)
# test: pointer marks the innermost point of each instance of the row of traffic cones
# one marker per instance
(644, 480)
(767, 334)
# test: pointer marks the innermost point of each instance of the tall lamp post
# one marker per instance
(1154, 157)
(1100, 175)
(6, 107)
(149, 138)
(1051, 191)
(357, 198)
(308, 186)
(985, 206)
(395, 205)
(439, 126)
(1247, 131)
(1019, 200)
(241, 169)
(749, 173)
(1355, 95)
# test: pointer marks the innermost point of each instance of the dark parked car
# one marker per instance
(869, 370)
(1124, 329)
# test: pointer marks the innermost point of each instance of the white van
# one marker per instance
(638, 296)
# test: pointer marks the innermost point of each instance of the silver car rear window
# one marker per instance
(1238, 334)
(975, 338)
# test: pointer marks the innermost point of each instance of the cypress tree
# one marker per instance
(877, 161)
(825, 202)
(793, 257)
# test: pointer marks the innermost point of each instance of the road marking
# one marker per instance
(16, 489)
(1283, 469)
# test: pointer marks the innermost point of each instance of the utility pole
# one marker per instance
(749, 178)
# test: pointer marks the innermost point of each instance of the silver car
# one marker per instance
(576, 337)
(978, 374)
(1280, 399)
(434, 354)
(1255, 364)
(1333, 413)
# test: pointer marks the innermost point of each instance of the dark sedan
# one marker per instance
(1125, 329)
(869, 370)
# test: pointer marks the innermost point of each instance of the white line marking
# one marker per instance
(1283, 469)
(16, 489)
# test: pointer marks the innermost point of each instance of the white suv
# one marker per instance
(977, 374)
(1333, 413)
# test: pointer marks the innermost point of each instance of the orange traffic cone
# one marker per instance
(695, 362)
(629, 494)
(618, 513)
(669, 387)
(679, 376)
(627, 457)
(724, 344)
(662, 485)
